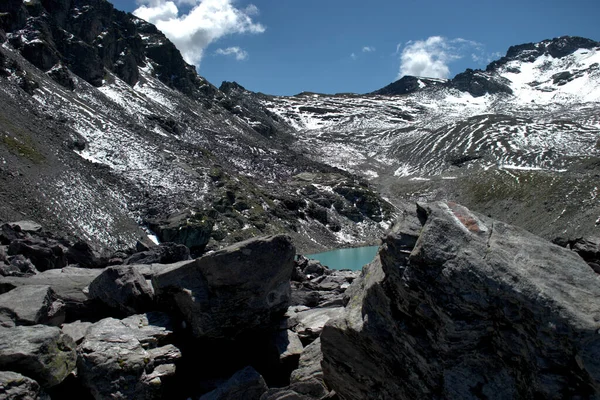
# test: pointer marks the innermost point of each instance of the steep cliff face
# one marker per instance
(458, 305)
(89, 36)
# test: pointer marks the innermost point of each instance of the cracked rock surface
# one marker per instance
(458, 305)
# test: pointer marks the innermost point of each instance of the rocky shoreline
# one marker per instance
(456, 305)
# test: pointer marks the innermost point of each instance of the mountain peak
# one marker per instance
(492, 80)
(556, 48)
(91, 36)
(408, 84)
(228, 87)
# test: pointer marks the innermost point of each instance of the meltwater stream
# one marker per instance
(352, 258)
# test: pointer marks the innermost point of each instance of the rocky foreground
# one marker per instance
(456, 305)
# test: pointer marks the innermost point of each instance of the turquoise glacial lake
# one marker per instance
(353, 258)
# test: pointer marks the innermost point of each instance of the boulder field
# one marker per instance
(455, 306)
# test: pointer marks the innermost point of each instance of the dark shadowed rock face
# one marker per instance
(122, 288)
(408, 84)
(478, 83)
(238, 289)
(188, 229)
(459, 305)
(89, 36)
(244, 384)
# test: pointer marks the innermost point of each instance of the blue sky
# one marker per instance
(288, 46)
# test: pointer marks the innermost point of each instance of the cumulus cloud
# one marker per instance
(353, 56)
(368, 49)
(239, 54)
(206, 22)
(430, 57)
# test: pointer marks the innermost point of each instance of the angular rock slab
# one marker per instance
(69, 284)
(31, 305)
(288, 345)
(308, 323)
(467, 307)
(122, 288)
(17, 386)
(309, 366)
(239, 289)
(40, 352)
(26, 226)
(77, 330)
(120, 360)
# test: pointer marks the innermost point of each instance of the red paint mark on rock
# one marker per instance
(464, 217)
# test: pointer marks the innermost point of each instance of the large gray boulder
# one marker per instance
(460, 306)
(31, 305)
(69, 283)
(15, 386)
(122, 288)
(40, 352)
(240, 289)
(119, 359)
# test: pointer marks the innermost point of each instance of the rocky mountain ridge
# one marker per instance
(518, 140)
(107, 131)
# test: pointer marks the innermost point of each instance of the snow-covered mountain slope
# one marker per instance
(550, 114)
(105, 131)
(536, 110)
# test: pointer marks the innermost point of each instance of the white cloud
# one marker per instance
(368, 49)
(233, 51)
(206, 22)
(398, 46)
(430, 57)
(353, 56)
(157, 12)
